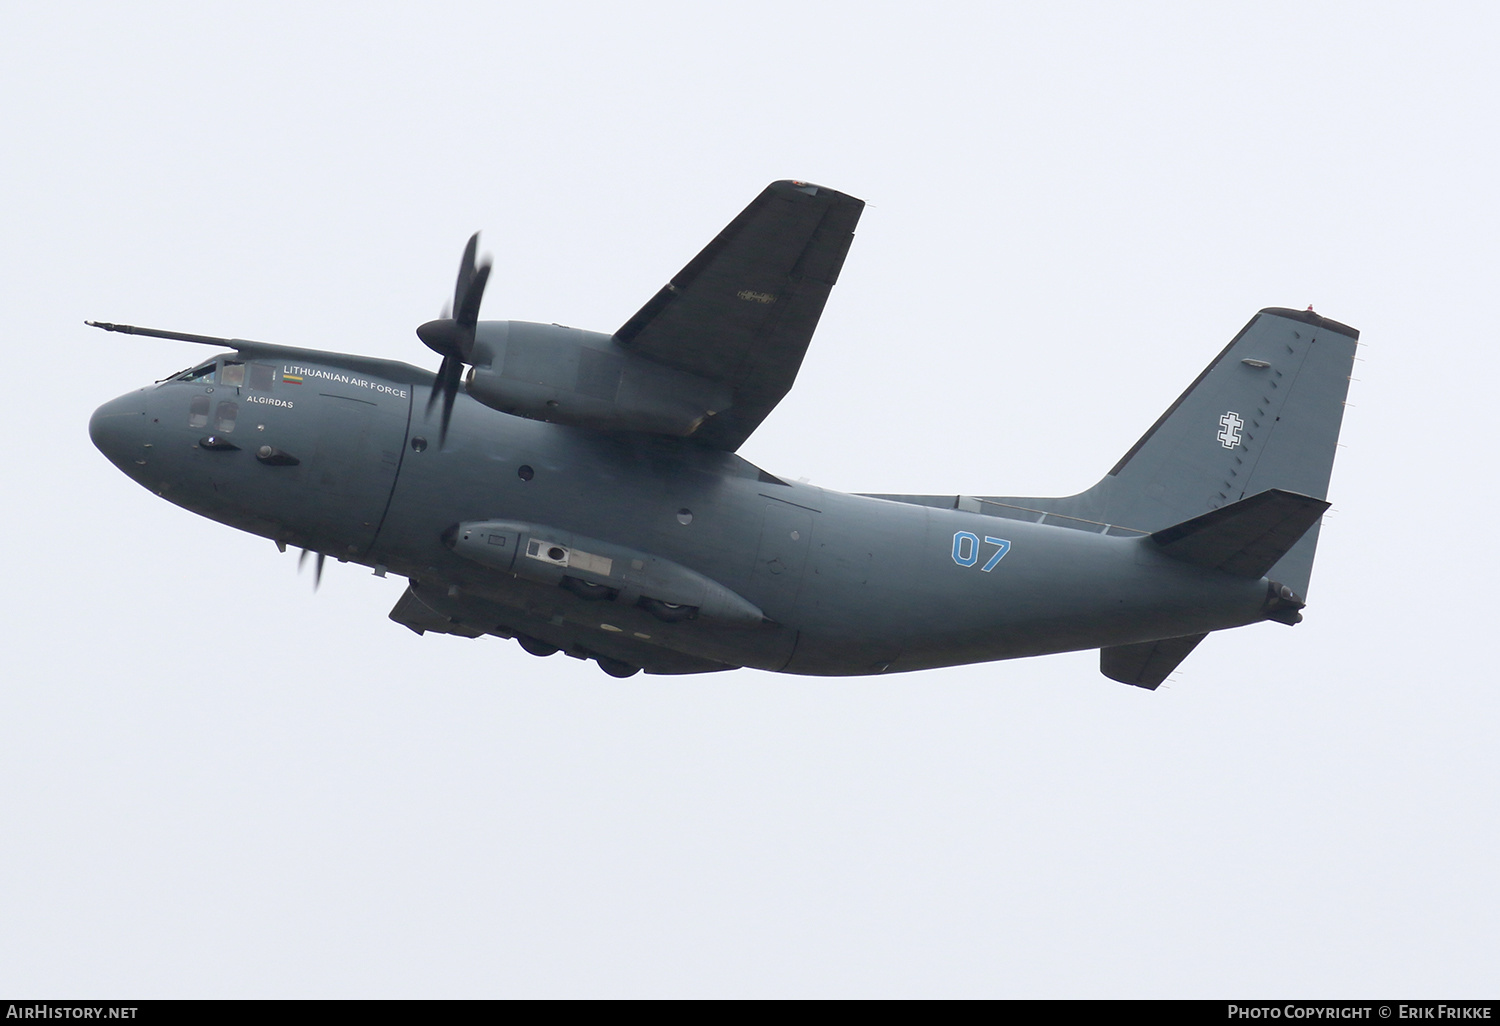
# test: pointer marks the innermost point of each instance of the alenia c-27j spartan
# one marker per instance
(580, 492)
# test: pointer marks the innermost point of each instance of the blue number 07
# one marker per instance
(966, 550)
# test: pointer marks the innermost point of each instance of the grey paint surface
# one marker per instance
(847, 584)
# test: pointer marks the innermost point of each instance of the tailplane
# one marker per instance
(1246, 538)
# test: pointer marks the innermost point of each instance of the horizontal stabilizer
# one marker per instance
(1146, 665)
(1245, 538)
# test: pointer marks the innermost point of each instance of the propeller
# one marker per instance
(452, 335)
(317, 568)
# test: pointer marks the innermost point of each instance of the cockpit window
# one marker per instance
(198, 375)
(233, 374)
(261, 376)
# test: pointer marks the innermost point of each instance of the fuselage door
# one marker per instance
(353, 469)
(785, 539)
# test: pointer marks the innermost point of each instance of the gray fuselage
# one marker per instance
(335, 454)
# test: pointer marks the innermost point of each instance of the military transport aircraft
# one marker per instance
(580, 493)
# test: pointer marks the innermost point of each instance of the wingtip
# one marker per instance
(789, 185)
(1315, 319)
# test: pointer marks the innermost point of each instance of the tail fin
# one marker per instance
(1265, 414)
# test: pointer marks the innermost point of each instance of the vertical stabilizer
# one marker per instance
(1265, 414)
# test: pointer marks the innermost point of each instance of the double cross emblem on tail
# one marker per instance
(1231, 423)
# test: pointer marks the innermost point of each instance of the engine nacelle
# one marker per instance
(570, 376)
(594, 569)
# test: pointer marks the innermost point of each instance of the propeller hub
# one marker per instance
(442, 336)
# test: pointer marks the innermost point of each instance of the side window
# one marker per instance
(261, 376)
(233, 375)
(198, 412)
(224, 417)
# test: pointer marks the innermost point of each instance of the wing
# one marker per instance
(742, 312)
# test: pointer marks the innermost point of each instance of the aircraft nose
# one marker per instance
(118, 429)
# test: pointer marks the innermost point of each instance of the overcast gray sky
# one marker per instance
(214, 782)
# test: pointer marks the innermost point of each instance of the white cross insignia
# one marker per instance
(1231, 423)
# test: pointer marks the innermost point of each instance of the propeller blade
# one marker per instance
(466, 313)
(301, 559)
(439, 385)
(449, 381)
(318, 572)
(449, 377)
(466, 271)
